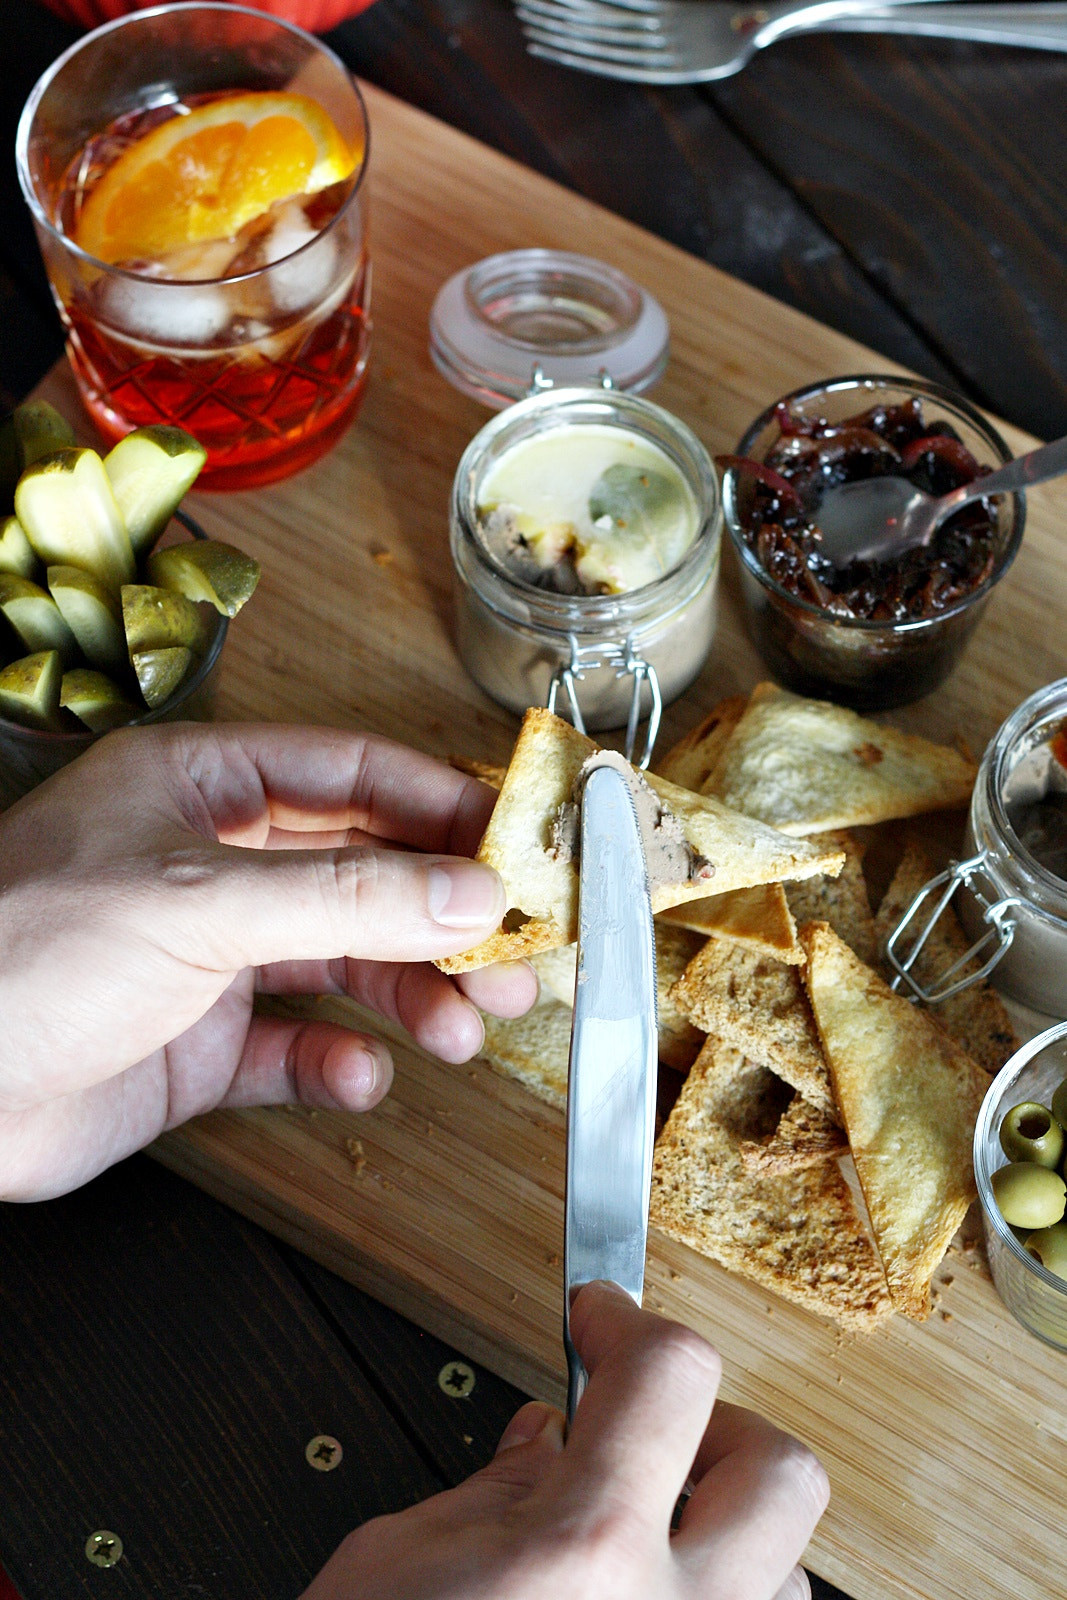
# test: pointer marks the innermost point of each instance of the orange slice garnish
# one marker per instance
(206, 174)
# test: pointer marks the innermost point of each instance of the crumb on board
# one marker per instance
(354, 1150)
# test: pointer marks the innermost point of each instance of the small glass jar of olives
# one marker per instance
(1020, 1148)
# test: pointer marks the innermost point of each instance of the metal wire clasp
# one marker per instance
(539, 382)
(996, 914)
(627, 662)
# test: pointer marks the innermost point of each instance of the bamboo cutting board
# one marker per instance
(945, 1443)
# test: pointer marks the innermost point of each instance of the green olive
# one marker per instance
(1049, 1245)
(1031, 1133)
(1059, 1104)
(1029, 1196)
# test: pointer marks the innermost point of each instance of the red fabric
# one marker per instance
(7, 1588)
(315, 15)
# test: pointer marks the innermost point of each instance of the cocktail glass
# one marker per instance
(265, 368)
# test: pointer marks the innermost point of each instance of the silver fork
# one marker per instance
(697, 41)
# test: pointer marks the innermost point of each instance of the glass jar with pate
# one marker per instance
(585, 521)
(1012, 883)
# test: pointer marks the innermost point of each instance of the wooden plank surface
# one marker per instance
(908, 192)
(945, 1443)
(162, 1376)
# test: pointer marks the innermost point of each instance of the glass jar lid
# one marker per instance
(530, 319)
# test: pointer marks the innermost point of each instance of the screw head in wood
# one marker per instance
(456, 1379)
(324, 1452)
(103, 1548)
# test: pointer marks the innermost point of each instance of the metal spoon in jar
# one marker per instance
(878, 519)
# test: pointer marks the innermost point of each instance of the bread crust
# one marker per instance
(542, 886)
(807, 766)
(798, 1234)
(909, 1097)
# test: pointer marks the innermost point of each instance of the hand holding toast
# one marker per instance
(148, 891)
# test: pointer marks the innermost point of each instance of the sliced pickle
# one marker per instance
(29, 691)
(16, 551)
(93, 615)
(150, 472)
(96, 700)
(206, 569)
(155, 619)
(32, 430)
(161, 673)
(66, 505)
(35, 617)
(40, 429)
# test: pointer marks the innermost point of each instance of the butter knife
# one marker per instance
(611, 1098)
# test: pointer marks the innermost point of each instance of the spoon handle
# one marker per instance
(1047, 461)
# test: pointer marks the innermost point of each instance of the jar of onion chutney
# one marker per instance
(585, 521)
(1013, 883)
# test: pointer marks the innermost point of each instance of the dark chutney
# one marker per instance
(778, 502)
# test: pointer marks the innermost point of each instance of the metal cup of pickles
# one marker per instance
(100, 573)
(1032, 1292)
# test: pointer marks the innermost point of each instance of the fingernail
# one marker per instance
(463, 894)
(528, 1424)
(357, 1077)
(368, 1073)
(602, 1286)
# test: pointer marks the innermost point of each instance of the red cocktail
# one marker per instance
(206, 240)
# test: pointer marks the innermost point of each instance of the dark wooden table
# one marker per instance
(163, 1364)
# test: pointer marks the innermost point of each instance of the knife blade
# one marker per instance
(611, 1094)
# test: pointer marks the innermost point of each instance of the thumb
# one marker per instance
(529, 1447)
(534, 1423)
(248, 907)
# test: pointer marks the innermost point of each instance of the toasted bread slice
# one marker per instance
(805, 766)
(556, 972)
(804, 1137)
(542, 883)
(691, 762)
(759, 918)
(909, 1097)
(798, 1234)
(758, 1006)
(679, 1040)
(487, 772)
(534, 1049)
(976, 1017)
(842, 901)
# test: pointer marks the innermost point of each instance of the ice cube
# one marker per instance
(290, 230)
(192, 315)
(298, 283)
